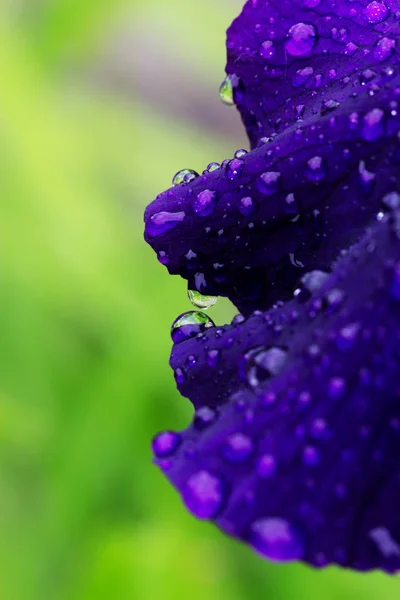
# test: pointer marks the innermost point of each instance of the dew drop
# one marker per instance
(234, 168)
(376, 12)
(373, 125)
(189, 325)
(180, 375)
(162, 222)
(247, 206)
(268, 183)
(184, 176)
(277, 539)
(231, 90)
(302, 38)
(310, 456)
(201, 302)
(328, 106)
(213, 166)
(391, 200)
(316, 169)
(267, 49)
(302, 76)
(237, 448)
(204, 417)
(203, 494)
(165, 443)
(213, 358)
(266, 466)
(205, 203)
(384, 49)
(262, 365)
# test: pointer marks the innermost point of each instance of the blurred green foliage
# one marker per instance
(85, 311)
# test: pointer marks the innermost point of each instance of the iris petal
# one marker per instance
(303, 464)
(325, 119)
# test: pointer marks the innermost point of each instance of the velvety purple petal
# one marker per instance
(317, 85)
(304, 464)
(311, 192)
(290, 59)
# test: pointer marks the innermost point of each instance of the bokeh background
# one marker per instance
(101, 102)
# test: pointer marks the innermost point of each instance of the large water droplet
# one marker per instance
(238, 447)
(184, 176)
(234, 168)
(165, 443)
(384, 49)
(204, 494)
(277, 539)
(162, 222)
(200, 301)
(189, 325)
(376, 12)
(302, 38)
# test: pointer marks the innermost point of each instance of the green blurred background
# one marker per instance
(101, 102)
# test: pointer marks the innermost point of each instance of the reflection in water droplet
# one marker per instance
(189, 324)
(184, 176)
(228, 91)
(277, 539)
(200, 301)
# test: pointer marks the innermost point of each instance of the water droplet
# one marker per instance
(391, 200)
(277, 539)
(184, 176)
(240, 153)
(189, 324)
(200, 301)
(310, 283)
(302, 38)
(310, 456)
(373, 125)
(263, 364)
(162, 222)
(336, 388)
(238, 447)
(180, 375)
(302, 76)
(316, 169)
(267, 49)
(350, 49)
(266, 466)
(348, 336)
(328, 106)
(268, 183)
(204, 417)
(376, 12)
(247, 206)
(213, 166)
(203, 494)
(163, 257)
(213, 358)
(205, 203)
(165, 443)
(231, 90)
(234, 168)
(384, 49)
(367, 178)
(319, 429)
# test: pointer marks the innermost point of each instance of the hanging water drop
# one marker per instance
(201, 302)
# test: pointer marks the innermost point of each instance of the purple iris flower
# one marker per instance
(294, 446)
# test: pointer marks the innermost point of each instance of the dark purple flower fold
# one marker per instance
(294, 446)
(302, 462)
(248, 229)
